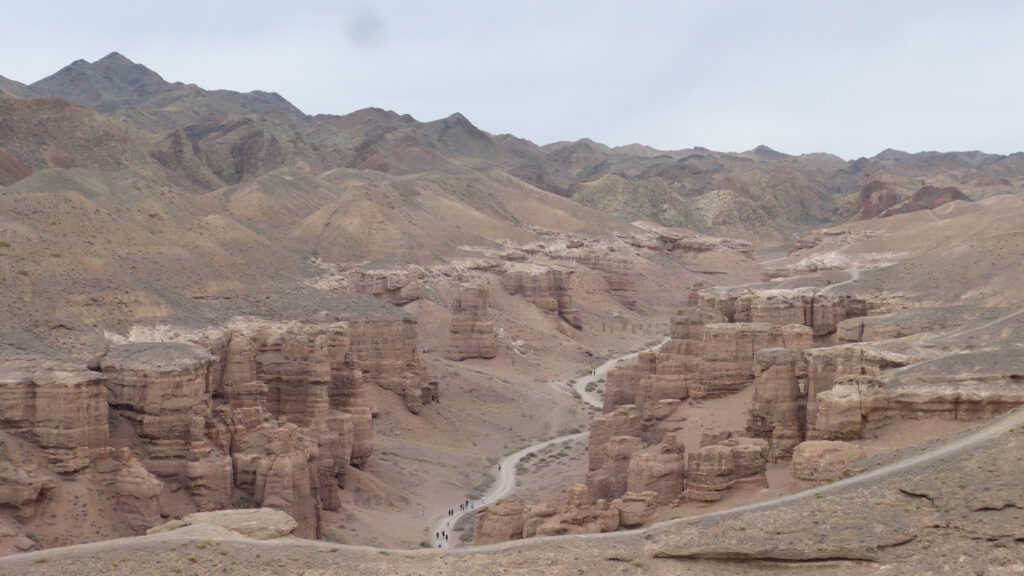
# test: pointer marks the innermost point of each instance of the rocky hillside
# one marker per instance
(214, 300)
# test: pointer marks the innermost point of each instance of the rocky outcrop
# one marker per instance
(776, 411)
(617, 271)
(399, 287)
(820, 461)
(579, 515)
(136, 491)
(385, 350)
(728, 354)
(258, 524)
(285, 475)
(858, 406)
(21, 488)
(472, 333)
(60, 407)
(160, 390)
(815, 309)
(500, 522)
(927, 197)
(824, 365)
(611, 479)
(660, 469)
(623, 421)
(718, 467)
(546, 287)
(635, 508)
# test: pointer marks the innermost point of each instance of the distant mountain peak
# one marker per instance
(114, 57)
(762, 152)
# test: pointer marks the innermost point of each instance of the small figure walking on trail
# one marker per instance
(471, 506)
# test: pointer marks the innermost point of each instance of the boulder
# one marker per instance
(259, 524)
(823, 460)
(500, 522)
(635, 508)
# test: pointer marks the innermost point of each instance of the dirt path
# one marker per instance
(854, 276)
(505, 471)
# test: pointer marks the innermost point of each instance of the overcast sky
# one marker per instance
(847, 77)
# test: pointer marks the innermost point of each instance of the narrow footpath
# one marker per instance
(505, 471)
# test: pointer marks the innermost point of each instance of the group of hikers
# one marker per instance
(441, 536)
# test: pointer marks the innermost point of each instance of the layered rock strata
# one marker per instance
(818, 310)
(472, 332)
(777, 408)
(546, 287)
(718, 467)
(60, 407)
(510, 519)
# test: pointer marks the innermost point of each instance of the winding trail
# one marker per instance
(854, 276)
(505, 472)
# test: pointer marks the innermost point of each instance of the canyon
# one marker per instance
(235, 315)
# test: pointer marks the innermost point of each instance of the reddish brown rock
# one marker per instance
(160, 389)
(776, 411)
(623, 421)
(824, 365)
(398, 287)
(810, 307)
(286, 477)
(58, 406)
(635, 508)
(547, 288)
(820, 461)
(718, 467)
(137, 491)
(472, 333)
(617, 271)
(23, 488)
(728, 354)
(385, 350)
(660, 469)
(611, 479)
(500, 522)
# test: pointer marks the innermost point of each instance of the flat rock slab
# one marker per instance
(258, 524)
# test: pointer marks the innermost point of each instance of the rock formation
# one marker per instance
(611, 479)
(623, 421)
(472, 332)
(160, 390)
(500, 522)
(815, 309)
(718, 467)
(617, 271)
(660, 469)
(60, 407)
(546, 287)
(398, 287)
(776, 411)
(820, 461)
(512, 520)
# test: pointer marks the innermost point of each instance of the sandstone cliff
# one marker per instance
(472, 332)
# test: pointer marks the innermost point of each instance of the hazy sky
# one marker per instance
(847, 77)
